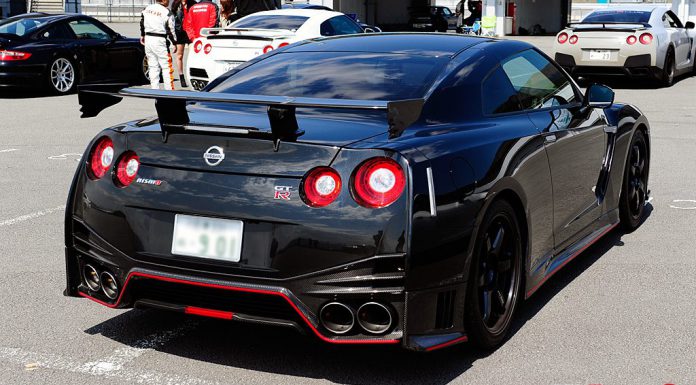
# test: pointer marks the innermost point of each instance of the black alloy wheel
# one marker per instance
(669, 70)
(496, 275)
(634, 192)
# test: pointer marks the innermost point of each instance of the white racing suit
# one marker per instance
(156, 26)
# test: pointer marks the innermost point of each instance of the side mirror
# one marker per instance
(599, 96)
(689, 25)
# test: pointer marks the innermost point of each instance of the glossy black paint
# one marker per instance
(119, 59)
(561, 168)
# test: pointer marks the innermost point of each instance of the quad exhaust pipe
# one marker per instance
(104, 281)
(372, 317)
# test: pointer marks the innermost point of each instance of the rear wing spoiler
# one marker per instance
(612, 26)
(247, 32)
(173, 115)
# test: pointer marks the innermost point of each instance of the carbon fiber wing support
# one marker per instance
(173, 116)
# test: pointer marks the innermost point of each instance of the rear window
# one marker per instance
(271, 22)
(618, 17)
(337, 75)
(21, 27)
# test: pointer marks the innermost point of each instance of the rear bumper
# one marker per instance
(21, 76)
(634, 66)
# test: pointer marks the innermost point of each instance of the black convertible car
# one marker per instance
(403, 189)
(61, 51)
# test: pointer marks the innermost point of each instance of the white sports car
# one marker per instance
(639, 41)
(219, 50)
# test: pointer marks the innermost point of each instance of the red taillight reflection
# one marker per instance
(14, 55)
(198, 46)
(101, 158)
(127, 169)
(573, 39)
(281, 45)
(378, 182)
(267, 49)
(645, 38)
(631, 40)
(207, 48)
(321, 186)
(562, 38)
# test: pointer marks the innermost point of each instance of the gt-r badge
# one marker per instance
(214, 156)
(282, 193)
(154, 182)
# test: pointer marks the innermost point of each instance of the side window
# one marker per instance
(326, 29)
(446, 12)
(343, 25)
(57, 32)
(539, 84)
(671, 20)
(85, 29)
(498, 96)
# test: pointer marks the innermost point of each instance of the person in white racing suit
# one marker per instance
(156, 26)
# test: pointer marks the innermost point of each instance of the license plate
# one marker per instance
(231, 65)
(210, 238)
(600, 55)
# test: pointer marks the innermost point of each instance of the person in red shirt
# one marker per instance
(202, 15)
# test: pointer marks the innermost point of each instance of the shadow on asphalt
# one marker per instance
(29, 93)
(626, 83)
(285, 352)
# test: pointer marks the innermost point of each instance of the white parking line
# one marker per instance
(57, 362)
(9, 150)
(122, 356)
(27, 217)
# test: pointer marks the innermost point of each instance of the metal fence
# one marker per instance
(115, 10)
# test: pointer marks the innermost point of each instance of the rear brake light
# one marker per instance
(198, 46)
(631, 40)
(321, 186)
(127, 169)
(378, 182)
(573, 39)
(101, 157)
(267, 49)
(14, 55)
(207, 48)
(281, 45)
(646, 38)
(562, 38)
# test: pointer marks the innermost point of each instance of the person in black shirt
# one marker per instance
(247, 7)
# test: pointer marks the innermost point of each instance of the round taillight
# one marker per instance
(321, 186)
(127, 169)
(562, 38)
(198, 46)
(281, 45)
(267, 49)
(646, 38)
(378, 183)
(631, 40)
(207, 48)
(101, 157)
(573, 39)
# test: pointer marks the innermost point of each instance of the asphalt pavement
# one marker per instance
(621, 313)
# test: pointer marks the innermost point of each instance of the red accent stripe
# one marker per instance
(448, 343)
(209, 312)
(549, 275)
(241, 289)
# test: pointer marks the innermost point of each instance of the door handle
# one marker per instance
(550, 138)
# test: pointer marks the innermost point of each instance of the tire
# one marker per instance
(669, 70)
(495, 278)
(145, 77)
(62, 76)
(634, 191)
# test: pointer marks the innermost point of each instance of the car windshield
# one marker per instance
(337, 75)
(617, 17)
(21, 27)
(271, 22)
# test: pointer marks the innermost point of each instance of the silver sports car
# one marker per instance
(639, 41)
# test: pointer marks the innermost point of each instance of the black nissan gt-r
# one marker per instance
(403, 189)
(61, 51)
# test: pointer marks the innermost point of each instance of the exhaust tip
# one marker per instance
(374, 318)
(91, 278)
(337, 318)
(109, 285)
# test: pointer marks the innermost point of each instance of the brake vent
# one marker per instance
(444, 318)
